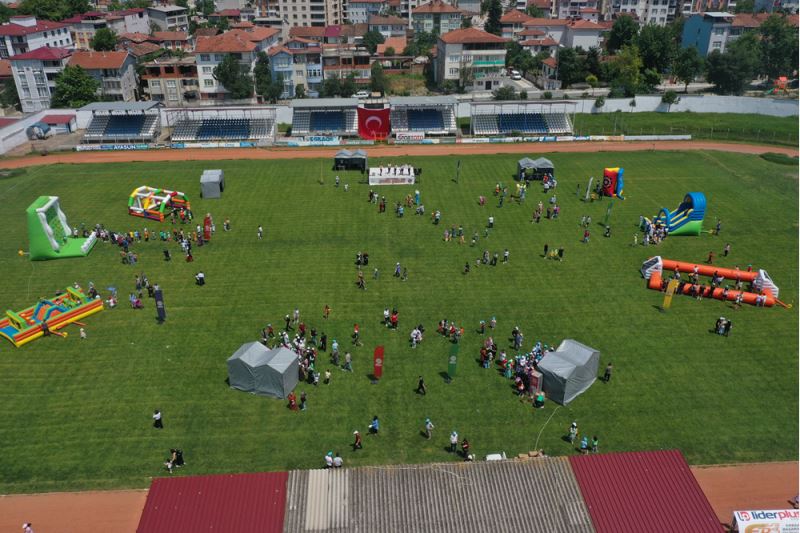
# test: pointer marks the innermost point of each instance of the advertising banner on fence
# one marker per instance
(239, 144)
(109, 147)
(409, 137)
(781, 521)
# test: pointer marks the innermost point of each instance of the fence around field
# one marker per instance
(753, 135)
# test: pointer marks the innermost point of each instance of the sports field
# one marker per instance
(75, 414)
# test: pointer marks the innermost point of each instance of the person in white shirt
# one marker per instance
(329, 460)
(337, 461)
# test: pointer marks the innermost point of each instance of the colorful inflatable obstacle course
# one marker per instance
(49, 234)
(687, 219)
(613, 182)
(763, 292)
(48, 316)
(155, 204)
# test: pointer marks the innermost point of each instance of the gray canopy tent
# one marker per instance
(534, 169)
(569, 371)
(254, 368)
(212, 183)
(347, 160)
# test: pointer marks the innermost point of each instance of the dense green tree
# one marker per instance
(593, 61)
(504, 93)
(331, 87)
(571, 67)
(623, 33)
(466, 22)
(275, 89)
(372, 39)
(657, 47)
(53, 9)
(535, 12)
(493, 14)
(626, 70)
(421, 45)
(300, 91)
(349, 87)
(733, 70)
(378, 82)
(745, 6)
(779, 46)
(74, 88)
(234, 77)
(5, 13)
(8, 94)
(104, 40)
(688, 65)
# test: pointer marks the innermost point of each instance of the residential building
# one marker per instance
(305, 12)
(437, 17)
(210, 51)
(232, 15)
(313, 33)
(25, 34)
(537, 45)
(359, 11)
(169, 17)
(577, 33)
(744, 22)
(343, 33)
(553, 28)
(770, 6)
(299, 62)
(139, 50)
(172, 81)
(481, 54)
(707, 32)
(512, 23)
(548, 79)
(698, 7)
(5, 70)
(659, 12)
(172, 40)
(35, 76)
(116, 72)
(577, 9)
(547, 7)
(342, 60)
(84, 26)
(388, 26)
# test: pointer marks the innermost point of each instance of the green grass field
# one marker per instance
(76, 414)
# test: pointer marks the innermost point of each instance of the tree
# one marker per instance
(378, 82)
(331, 87)
(421, 45)
(514, 51)
(262, 74)
(275, 89)
(504, 93)
(349, 87)
(534, 11)
(234, 77)
(626, 70)
(745, 6)
(223, 24)
(593, 61)
(570, 67)
(103, 40)
(466, 22)
(371, 40)
(74, 88)
(494, 12)
(53, 9)
(657, 47)
(733, 70)
(300, 91)
(688, 65)
(591, 79)
(466, 78)
(778, 47)
(5, 13)
(623, 33)
(182, 3)
(670, 97)
(8, 95)
(389, 52)
(650, 80)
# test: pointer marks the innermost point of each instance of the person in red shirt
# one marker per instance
(356, 334)
(357, 442)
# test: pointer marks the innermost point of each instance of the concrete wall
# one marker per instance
(697, 104)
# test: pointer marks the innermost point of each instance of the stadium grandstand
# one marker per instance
(532, 118)
(223, 124)
(123, 122)
(431, 115)
(325, 116)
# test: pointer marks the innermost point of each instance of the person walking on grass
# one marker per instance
(422, 390)
(428, 428)
(453, 441)
(260, 232)
(357, 445)
(157, 422)
(726, 250)
(546, 247)
(595, 444)
(710, 259)
(607, 373)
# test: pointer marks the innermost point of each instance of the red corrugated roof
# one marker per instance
(7, 121)
(57, 119)
(470, 36)
(43, 54)
(41, 25)
(222, 503)
(635, 492)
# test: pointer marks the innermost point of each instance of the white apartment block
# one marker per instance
(25, 34)
(437, 17)
(359, 11)
(660, 12)
(309, 12)
(35, 76)
(116, 72)
(169, 17)
(483, 54)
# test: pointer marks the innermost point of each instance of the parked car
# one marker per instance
(515, 75)
(361, 94)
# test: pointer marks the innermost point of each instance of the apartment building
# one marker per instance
(388, 26)
(84, 26)
(116, 72)
(359, 11)
(698, 7)
(169, 17)
(512, 22)
(567, 33)
(35, 76)
(25, 33)
(172, 81)
(437, 17)
(578, 9)
(660, 12)
(342, 60)
(707, 32)
(210, 51)
(172, 40)
(482, 54)
(299, 62)
(306, 12)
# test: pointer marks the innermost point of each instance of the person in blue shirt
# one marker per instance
(374, 426)
(584, 445)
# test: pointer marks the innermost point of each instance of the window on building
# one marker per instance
(172, 83)
(205, 57)
(716, 46)
(207, 70)
(208, 83)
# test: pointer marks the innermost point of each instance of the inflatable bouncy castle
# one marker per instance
(687, 219)
(613, 182)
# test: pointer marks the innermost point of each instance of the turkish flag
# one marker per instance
(373, 124)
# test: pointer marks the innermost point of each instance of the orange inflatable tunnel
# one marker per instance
(763, 291)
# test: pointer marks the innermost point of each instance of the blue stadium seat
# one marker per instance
(522, 122)
(327, 121)
(124, 125)
(425, 120)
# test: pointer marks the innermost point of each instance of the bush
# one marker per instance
(547, 95)
(600, 101)
(670, 97)
(523, 95)
(780, 159)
